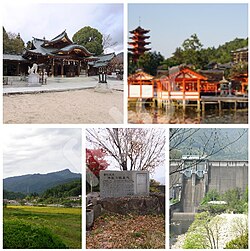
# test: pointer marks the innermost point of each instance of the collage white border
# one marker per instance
(125, 124)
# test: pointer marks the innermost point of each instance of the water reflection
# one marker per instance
(173, 115)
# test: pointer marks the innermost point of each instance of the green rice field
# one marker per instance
(63, 224)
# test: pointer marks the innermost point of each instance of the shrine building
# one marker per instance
(58, 57)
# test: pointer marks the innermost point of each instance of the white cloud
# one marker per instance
(49, 20)
(28, 151)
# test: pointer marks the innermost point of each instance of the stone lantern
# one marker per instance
(102, 75)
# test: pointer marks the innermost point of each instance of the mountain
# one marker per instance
(218, 144)
(72, 188)
(38, 182)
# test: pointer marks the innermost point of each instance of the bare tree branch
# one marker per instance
(132, 148)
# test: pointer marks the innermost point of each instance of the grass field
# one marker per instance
(63, 222)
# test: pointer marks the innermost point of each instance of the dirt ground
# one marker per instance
(127, 232)
(70, 107)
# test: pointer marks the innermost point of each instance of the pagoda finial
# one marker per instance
(139, 21)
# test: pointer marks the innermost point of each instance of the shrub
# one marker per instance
(20, 234)
(211, 195)
(196, 235)
(212, 209)
(240, 242)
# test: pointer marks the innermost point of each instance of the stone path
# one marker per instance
(61, 84)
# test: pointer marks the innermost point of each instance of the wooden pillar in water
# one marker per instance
(159, 93)
(199, 97)
(219, 105)
(183, 94)
(203, 106)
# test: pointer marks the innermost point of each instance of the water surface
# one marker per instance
(173, 115)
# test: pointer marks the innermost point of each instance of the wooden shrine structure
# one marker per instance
(138, 43)
(183, 87)
(140, 86)
(182, 84)
(59, 56)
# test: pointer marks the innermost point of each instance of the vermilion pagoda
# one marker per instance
(138, 43)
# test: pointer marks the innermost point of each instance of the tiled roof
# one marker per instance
(103, 60)
(46, 47)
(13, 57)
(72, 47)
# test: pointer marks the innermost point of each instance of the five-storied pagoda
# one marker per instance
(138, 44)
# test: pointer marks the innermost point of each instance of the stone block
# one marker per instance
(33, 80)
(114, 184)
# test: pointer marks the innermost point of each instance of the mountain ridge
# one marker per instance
(30, 183)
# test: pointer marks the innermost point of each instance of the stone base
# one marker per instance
(141, 205)
(103, 88)
(33, 80)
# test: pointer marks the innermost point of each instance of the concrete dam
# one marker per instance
(191, 178)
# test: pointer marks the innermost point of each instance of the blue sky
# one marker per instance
(171, 24)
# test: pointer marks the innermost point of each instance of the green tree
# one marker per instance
(132, 66)
(232, 197)
(150, 61)
(12, 43)
(192, 51)
(193, 43)
(240, 242)
(239, 68)
(153, 186)
(90, 38)
(211, 195)
(237, 200)
(204, 232)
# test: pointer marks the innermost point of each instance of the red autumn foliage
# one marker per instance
(95, 160)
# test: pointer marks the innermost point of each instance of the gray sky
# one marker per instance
(48, 20)
(29, 150)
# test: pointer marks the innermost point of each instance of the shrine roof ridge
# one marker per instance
(71, 47)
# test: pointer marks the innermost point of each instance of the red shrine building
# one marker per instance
(138, 42)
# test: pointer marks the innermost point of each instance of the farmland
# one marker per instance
(63, 223)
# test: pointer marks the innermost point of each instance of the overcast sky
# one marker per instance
(49, 20)
(29, 151)
(159, 173)
(171, 24)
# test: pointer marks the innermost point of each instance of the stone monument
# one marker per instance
(114, 184)
(33, 78)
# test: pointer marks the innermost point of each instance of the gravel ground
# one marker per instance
(69, 107)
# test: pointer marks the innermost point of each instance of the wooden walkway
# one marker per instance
(220, 101)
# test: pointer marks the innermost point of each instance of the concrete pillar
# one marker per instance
(193, 191)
